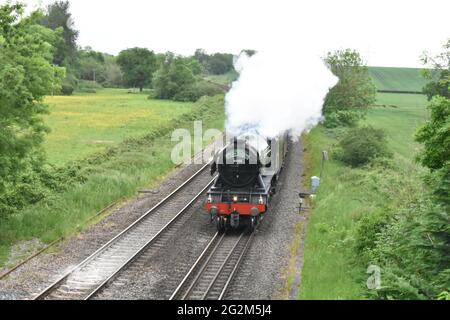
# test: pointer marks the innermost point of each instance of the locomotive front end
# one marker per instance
(242, 189)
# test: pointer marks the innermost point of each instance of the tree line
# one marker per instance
(87, 69)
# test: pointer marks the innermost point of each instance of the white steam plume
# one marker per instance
(276, 92)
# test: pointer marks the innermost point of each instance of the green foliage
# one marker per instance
(58, 17)
(338, 118)
(98, 67)
(224, 79)
(444, 296)
(38, 183)
(68, 85)
(113, 73)
(411, 245)
(439, 78)
(354, 92)
(67, 89)
(86, 86)
(91, 67)
(435, 135)
(138, 66)
(389, 216)
(175, 79)
(198, 90)
(359, 146)
(26, 76)
(217, 63)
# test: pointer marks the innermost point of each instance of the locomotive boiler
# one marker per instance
(248, 169)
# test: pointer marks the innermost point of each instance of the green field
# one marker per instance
(88, 123)
(397, 79)
(331, 269)
(137, 156)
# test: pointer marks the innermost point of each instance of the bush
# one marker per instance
(196, 91)
(87, 86)
(342, 118)
(411, 247)
(359, 146)
(67, 89)
(37, 184)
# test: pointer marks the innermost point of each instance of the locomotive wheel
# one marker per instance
(220, 224)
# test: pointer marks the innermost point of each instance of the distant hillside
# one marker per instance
(389, 79)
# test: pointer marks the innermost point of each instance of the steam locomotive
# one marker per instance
(248, 170)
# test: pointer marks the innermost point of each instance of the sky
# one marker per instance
(385, 32)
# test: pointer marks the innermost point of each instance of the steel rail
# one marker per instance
(201, 264)
(147, 244)
(191, 270)
(49, 289)
(221, 267)
(204, 266)
(236, 266)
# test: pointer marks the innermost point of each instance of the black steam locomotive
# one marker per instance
(248, 169)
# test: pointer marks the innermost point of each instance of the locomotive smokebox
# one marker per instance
(238, 164)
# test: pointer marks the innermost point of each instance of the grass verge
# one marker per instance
(347, 195)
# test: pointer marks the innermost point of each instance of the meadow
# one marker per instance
(84, 124)
(346, 195)
(391, 79)
(137, 156)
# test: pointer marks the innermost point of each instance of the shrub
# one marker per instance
(359, 146)
(67, 89)
(88, 86)
(342, 118)
(196, 91)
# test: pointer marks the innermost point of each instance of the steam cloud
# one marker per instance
(278, 92)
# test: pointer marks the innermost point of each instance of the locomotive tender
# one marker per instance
(248, 169)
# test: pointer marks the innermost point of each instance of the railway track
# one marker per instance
(211, 275)
(89, 277)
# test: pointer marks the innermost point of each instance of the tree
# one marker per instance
(58, 17)
(26, 76)
(435, 135)
(348, 100)
(175, 79)
(439, 74)
(218, 63)
(91, 65)
(138, 66)
(113, 73)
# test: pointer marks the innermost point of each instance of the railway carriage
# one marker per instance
(248, 170)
